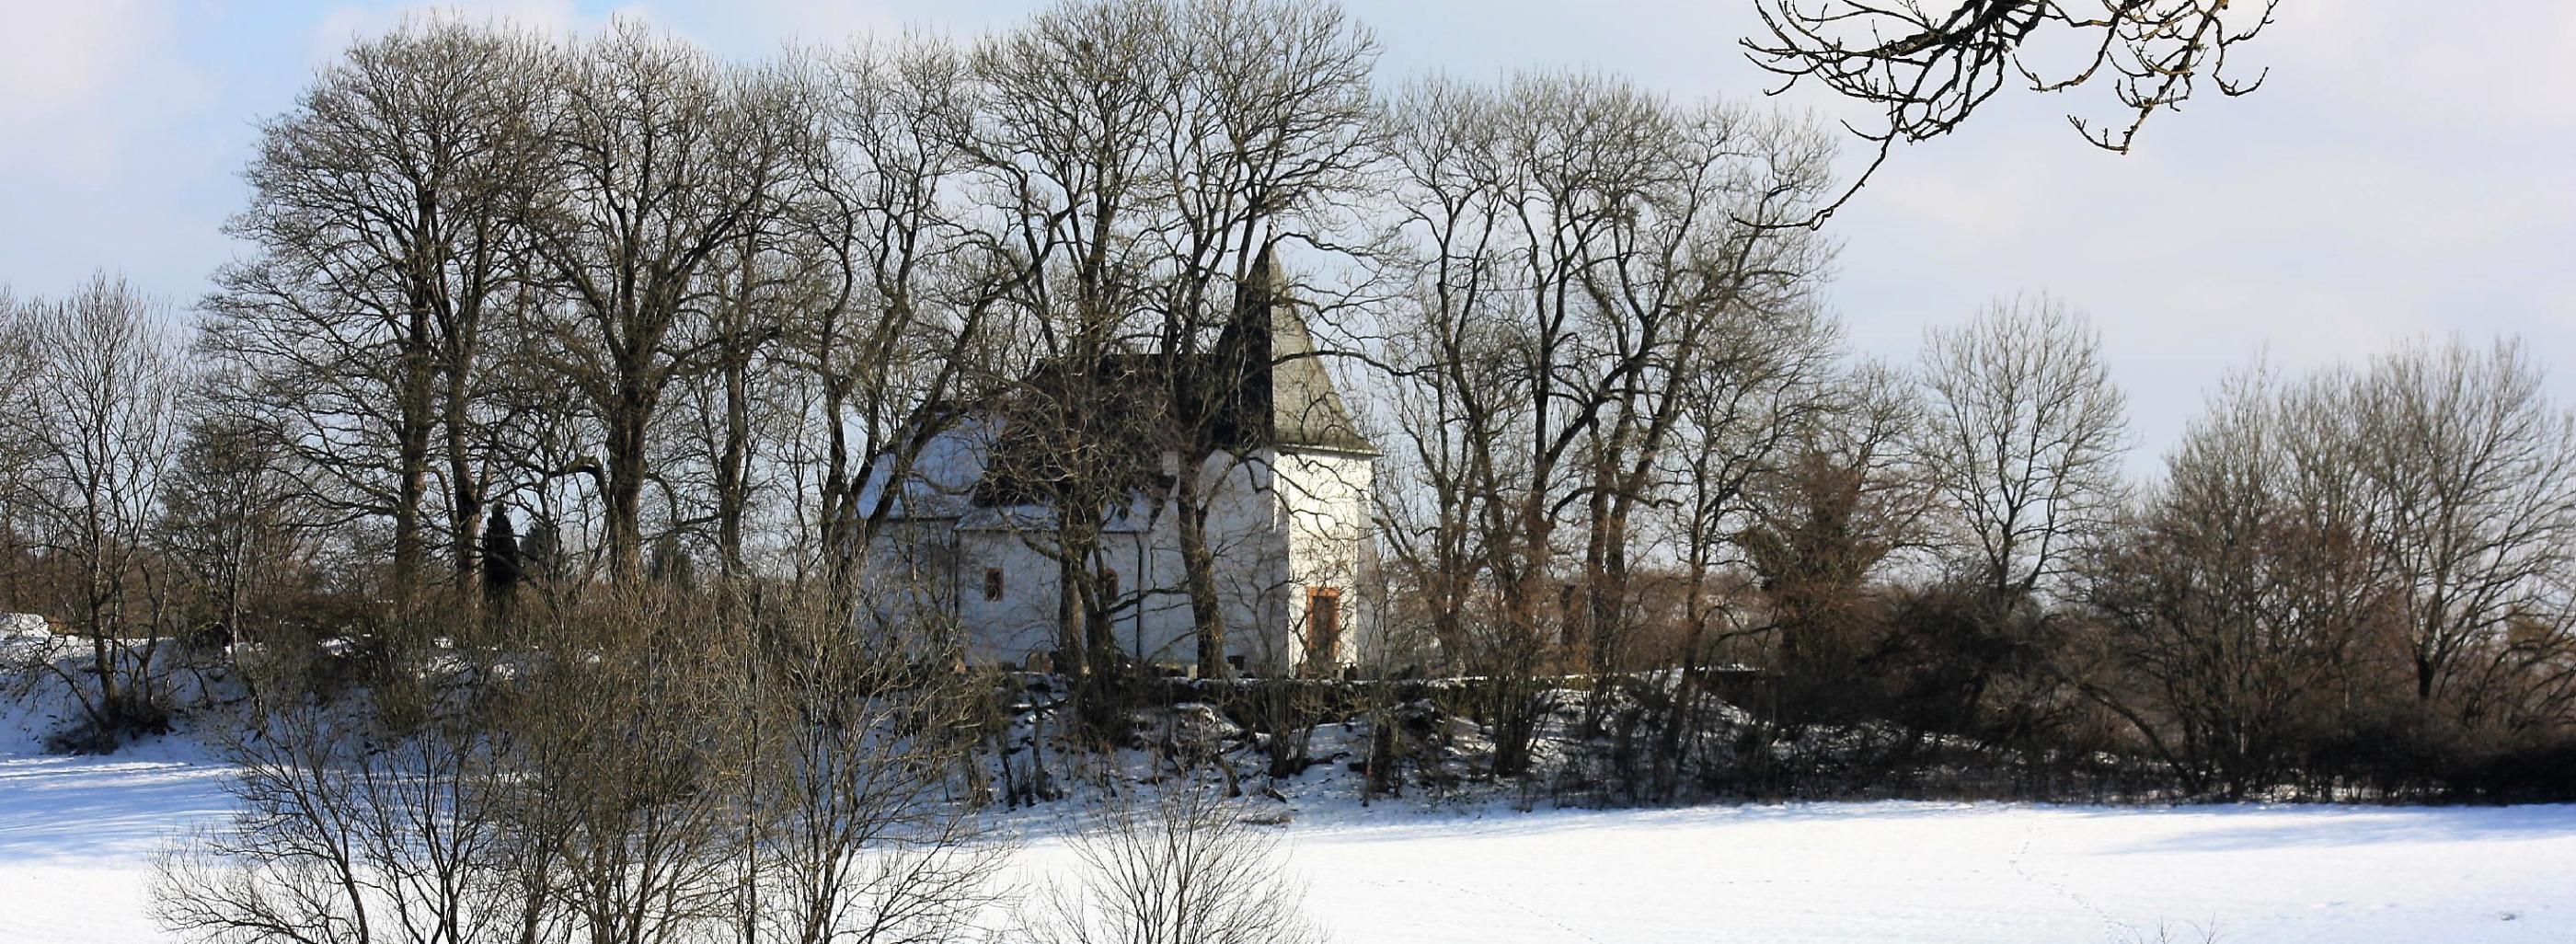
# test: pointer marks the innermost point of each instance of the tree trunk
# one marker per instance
(411, 461)
(465, 513)
(732, 501)
(1198, 564)
(624, 488)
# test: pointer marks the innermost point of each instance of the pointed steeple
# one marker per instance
(1286, 392)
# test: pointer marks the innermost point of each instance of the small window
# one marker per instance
(992, 583)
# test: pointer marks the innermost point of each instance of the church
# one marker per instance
(974, 536)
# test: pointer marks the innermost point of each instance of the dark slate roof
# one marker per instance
(1263, 384)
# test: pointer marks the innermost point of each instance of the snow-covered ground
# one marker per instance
(77, 834)
(77, 837)
(1934, 872)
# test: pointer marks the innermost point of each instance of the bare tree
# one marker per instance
(872, 837)
(2021, 446)
(383, 219)
(1716, 333)
(97, 416)
(2023, 437)
(1825, 519)
(1266, 140)
(1585, 260)
(2231, 613)
(1757, 398)
(738, 399)
(658, 165)
(357, 823)
(17, 370)
(905, 287)
(639, 768)
(1181, 867)
(1930, 65)
(1067, 148)
(2379, 549)
(232, 516)
(2471, 476)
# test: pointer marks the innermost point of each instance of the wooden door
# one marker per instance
(1323, 627)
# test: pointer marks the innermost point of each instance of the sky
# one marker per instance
(2407, 170)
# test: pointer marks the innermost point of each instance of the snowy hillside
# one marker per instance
(77, 834)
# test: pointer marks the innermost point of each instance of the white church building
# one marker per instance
(1287, 524)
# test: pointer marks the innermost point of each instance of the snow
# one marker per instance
(1967, 873)
(77, 837)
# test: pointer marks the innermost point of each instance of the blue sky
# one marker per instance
(2409, 169)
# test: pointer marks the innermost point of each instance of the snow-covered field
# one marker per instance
(1928, 872)
(76, 837)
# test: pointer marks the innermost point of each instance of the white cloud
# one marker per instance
(71, 77)
(2420, 61)
(56, 56)
(742, 30)
(820, 23)
(341, 25)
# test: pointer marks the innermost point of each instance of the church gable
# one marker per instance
(1285, 468)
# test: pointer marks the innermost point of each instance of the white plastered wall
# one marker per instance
(1324, 499)
(1280, 525)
